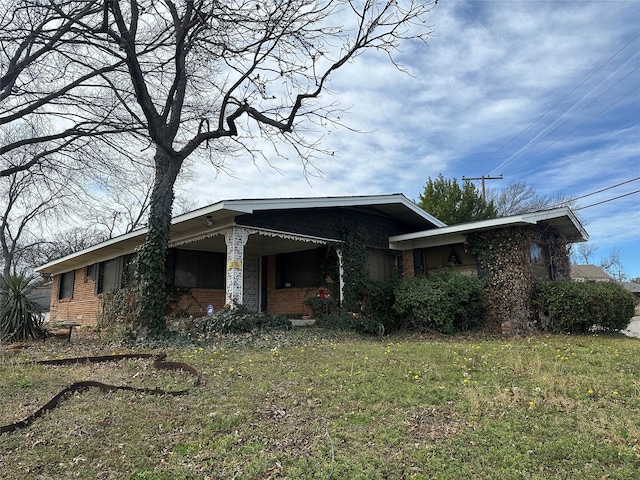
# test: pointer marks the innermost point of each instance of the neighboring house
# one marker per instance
(633, 288)
(271, 254)
(42, 296)
(589, 273)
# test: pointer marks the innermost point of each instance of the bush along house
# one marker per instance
(509, 253)
(271, 255)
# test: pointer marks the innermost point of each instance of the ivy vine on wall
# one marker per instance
(354, 273)
(505, 262)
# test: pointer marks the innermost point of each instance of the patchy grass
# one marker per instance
(310, 404)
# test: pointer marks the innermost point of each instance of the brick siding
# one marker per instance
(83, 308)
(198, 299)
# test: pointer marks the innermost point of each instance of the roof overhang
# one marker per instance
(221, 215)
(562, 220)
(395, 205)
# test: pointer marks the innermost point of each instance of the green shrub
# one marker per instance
(20, 316)
(446, 301)
(323, 307)
(377, 304)
(373, 312)
(576, 307)
(235, 320)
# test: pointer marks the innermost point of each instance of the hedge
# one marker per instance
(447, 302)
(577, 307)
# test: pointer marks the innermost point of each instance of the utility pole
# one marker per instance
(483, 178)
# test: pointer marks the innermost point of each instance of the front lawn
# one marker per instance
(313, 404)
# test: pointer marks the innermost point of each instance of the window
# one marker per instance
(379, 264)
(65, 287)
(197, 269)
(539, 261)
(109, 274)
(113, 274)
(299, 269)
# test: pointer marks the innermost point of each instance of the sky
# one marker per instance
(543, 92)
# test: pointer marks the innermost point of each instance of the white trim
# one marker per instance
(196, 237)
(252, 205)
(458, 233)
(224, 213)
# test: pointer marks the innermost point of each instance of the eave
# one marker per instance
(562, 220)
(221, 215)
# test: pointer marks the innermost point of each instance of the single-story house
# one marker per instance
(589, 273)
(270, 254)
(634, 288)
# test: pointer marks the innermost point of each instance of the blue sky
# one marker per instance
(545, 92)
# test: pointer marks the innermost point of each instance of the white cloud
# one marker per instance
(479, 102)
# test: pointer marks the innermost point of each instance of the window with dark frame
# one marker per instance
(113, 274)
(299, 269)
(65, 287)
(540, 262)
(197, 269)
(109, 274)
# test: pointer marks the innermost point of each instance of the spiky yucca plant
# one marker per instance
(20, 316)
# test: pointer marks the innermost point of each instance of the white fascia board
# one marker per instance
(454, 233)
(427, 242)
(460, 228)
(252, 205)
(94, 249)
(210, 209)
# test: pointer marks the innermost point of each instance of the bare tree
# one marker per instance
(41, 202)
(518, 197)
(29, 198)
(45, 79)
(610, 263)
(61, 243)
(201, 75)
(584, 254)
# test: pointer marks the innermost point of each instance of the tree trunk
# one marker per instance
(151, 271)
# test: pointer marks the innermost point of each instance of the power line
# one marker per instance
(563, 98)
(584, 123)
(599, 191)
(608, 200)
(524, 150)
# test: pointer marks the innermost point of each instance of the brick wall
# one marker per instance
(407, 264)
(285, 300)
(196, 302)
(83, 308)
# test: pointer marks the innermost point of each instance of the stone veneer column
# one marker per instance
(236, 239)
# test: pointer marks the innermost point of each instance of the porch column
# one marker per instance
(340, 275)
(236, 239)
